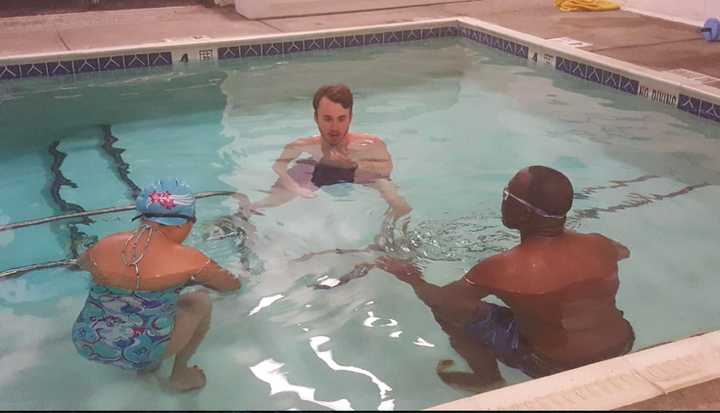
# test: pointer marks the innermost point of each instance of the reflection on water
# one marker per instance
(371, 320)
(265, 302)
(422, 342)
(270, 372)
(636, 200)
(326, 356)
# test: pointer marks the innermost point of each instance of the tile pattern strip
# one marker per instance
(597, 75)
(332, 42)
(495, 42)
(93, 64)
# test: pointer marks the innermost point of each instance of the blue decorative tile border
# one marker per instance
(507, 46)
(332, 42)
(699, 107)
(92, 64)
(585, 71)
(689, 104)
(597, 75)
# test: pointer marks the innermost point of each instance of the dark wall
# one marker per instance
(12, 8)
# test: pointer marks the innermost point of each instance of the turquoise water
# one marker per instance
(459, 122)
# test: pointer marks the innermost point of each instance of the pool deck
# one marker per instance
(704, 396)
(645, 41)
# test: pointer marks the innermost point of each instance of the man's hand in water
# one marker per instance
(304, 192)
(399, 210)
(402, 269)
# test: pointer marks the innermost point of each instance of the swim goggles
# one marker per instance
(507, 194)
(192, 219)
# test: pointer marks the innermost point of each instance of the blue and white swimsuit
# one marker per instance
(124, 328)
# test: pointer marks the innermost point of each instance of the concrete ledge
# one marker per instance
(609, 384)
(263, 9)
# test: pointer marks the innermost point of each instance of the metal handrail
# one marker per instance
(101, 211)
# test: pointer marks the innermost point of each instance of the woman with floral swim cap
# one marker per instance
(134, 316)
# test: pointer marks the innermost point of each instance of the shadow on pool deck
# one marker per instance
(642, 40)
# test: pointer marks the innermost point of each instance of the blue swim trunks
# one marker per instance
(498, 330)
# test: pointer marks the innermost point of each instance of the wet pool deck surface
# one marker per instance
(646, 41)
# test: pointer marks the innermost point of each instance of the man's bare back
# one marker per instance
(562, 291)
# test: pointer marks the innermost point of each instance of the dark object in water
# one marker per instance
(329, 175)
(358, 271)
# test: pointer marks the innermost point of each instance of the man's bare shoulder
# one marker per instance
(366, 138)
(590, 236)
(305, 142)
(494, 271)
(613, 247)
(592, 239)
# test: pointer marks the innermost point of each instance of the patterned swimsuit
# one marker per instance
(124, 328)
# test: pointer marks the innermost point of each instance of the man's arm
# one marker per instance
(374, 169)
(458, 296)
(375, 162)
(291, 152)
(390, 194)
(456, 301)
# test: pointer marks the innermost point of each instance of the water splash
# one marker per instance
(465, 238)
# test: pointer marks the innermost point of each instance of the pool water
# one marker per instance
(458, 120)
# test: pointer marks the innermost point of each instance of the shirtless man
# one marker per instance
(336, 155)
(559, 287)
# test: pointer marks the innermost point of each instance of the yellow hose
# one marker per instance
(586, 5)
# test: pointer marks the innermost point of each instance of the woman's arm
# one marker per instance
(215, 277)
